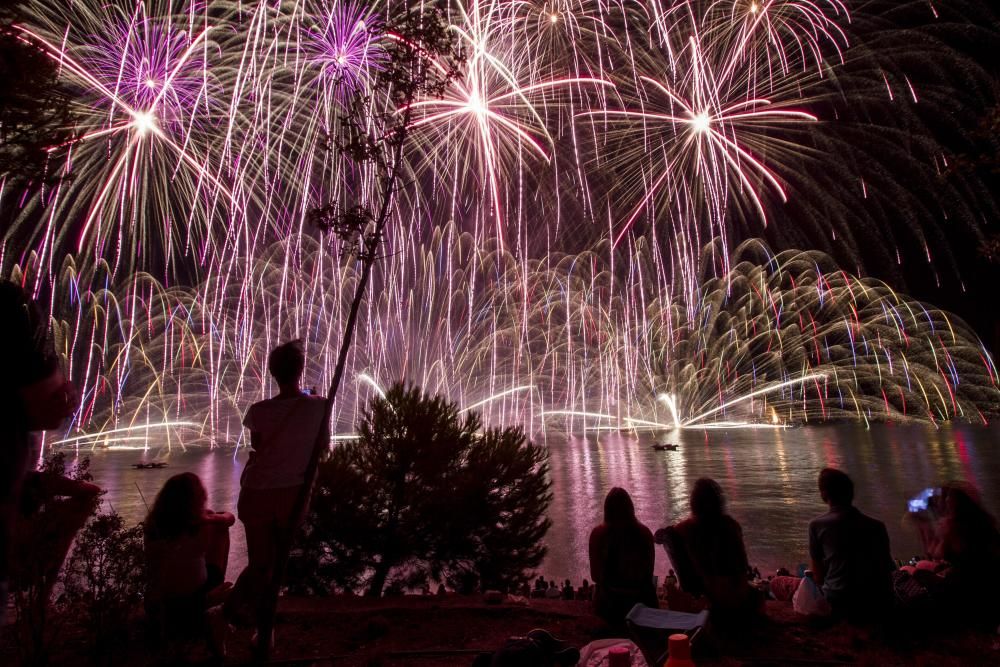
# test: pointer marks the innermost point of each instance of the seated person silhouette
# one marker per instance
(709, 556)
(621, 560)
(187, 552)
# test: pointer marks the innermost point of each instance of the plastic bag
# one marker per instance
(809, 599)
(595, 654)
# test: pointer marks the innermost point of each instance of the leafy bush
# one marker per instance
(41, 542)
(423, 494)
(105, 576)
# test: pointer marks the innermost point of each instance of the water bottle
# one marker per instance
(679, 647)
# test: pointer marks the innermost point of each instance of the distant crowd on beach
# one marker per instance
(851, 574)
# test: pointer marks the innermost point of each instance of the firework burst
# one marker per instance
(488, 123)
(611, 139)
(698, 145)
(149, 105)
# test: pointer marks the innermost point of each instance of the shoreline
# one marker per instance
(770, 484)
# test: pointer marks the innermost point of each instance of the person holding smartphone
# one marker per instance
(962, 538)
(283, 430)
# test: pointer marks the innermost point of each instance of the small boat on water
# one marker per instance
(666, 447)
(151, 465)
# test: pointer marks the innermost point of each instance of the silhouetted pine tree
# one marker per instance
(35, 111)
(425, 494)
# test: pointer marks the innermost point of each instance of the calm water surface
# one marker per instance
(769, 477)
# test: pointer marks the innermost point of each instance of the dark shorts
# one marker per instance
(273, 507)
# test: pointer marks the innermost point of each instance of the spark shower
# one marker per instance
(569, 248)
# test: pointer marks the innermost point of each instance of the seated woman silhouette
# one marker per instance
(708, 553)
(187, 552)
(962, 537)
(621, 560)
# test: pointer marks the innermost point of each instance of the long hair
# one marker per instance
(177, 509)
(625, 540)
(973, 523)
(619, 511)
(708, 503)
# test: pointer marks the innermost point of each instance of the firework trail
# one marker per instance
(566, 244)
(556, 343)
(702, 138)
(488, 124)
(150, 105)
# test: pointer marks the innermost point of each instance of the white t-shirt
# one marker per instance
(287, 429)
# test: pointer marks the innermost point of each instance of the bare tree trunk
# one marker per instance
(377, 583)
(390, 555)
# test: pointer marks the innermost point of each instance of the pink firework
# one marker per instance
(148, 109)
(706, 140)
(488, 121)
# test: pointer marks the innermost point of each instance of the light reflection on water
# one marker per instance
(769, 477)
(129, 490)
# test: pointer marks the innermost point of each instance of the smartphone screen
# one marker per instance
(918, 503)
